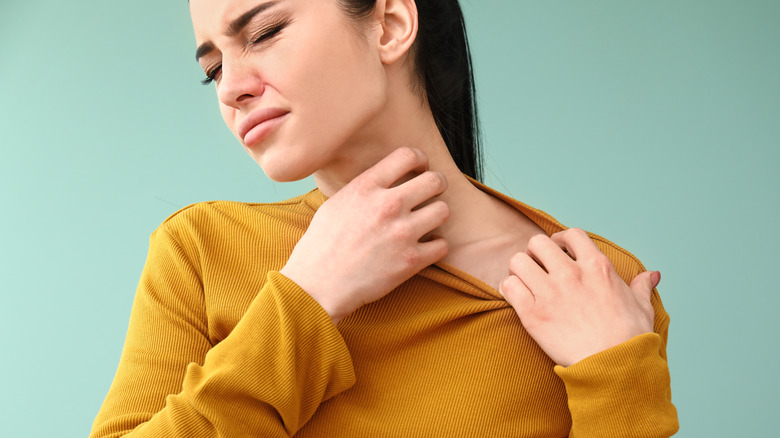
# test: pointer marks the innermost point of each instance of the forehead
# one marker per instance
(211, 17)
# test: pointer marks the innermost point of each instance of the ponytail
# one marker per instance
(444, 69)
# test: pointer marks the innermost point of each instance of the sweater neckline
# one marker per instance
(447, 274)
(315, 198)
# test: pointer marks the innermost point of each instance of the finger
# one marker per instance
(547, 253)
(643, 284)
(427, 218)
(527, 270)
(517, 294)
(395, 166)
(576, 242)
(432, 251)
(422, 188)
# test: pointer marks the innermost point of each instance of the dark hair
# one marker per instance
(443, 66)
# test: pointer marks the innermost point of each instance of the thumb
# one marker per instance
(644, 283)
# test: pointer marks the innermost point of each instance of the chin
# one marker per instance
(283, 169)
(283, 178)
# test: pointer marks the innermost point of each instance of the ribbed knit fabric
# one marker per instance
(220, 344)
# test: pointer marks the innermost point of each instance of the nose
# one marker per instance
(240, 82)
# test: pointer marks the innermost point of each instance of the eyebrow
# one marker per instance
(235, 27)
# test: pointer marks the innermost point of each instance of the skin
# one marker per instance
(349, 117)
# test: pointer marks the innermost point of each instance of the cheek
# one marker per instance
(328, 63)
(342, 86)
(356, 96)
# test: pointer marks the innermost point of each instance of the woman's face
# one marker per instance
(296, 81)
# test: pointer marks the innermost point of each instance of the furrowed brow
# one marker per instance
(235, 27)
(239, 23)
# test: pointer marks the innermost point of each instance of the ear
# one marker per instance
(398, 19)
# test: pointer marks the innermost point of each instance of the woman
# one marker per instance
(371, 306)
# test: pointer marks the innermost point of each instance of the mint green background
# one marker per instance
(654, 123)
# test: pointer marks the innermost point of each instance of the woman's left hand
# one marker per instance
(570, 299)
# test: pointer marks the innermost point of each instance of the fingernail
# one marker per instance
(656, 278)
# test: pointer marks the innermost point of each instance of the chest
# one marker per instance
(431, 360)
(439, 356)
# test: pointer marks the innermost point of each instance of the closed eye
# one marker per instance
(211, 75)
(270, 32)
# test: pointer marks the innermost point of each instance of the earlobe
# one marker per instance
(399, 28)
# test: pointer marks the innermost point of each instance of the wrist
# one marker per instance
(330, 302)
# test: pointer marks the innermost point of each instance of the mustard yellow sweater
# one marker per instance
(222, 345)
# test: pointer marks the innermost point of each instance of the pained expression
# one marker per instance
(296, 81)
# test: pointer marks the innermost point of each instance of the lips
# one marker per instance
(258, 123)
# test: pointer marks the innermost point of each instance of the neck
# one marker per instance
(407, 122)
(403, 121)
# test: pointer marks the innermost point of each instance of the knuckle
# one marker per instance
(391, 207)
(362, 184)
(543, 315)
(602, 260)
(411, 258)
(601, 263)
(569, 272)
(401, 234)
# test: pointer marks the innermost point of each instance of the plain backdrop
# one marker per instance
(653, 123)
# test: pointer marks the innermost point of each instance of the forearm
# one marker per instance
(621, 392)
(266, 378)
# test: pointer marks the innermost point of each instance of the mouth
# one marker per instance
(259, 123)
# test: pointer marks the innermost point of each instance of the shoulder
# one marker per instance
(626, 264)
(209, 219)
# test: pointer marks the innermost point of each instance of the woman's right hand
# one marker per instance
(368, 238)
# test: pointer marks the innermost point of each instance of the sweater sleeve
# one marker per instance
(266, 378)
(624, 391)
